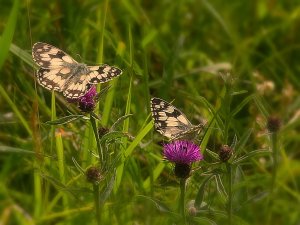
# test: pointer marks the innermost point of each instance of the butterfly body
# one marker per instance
(60, 72)
(171, 122)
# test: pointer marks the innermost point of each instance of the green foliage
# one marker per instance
(231, 64)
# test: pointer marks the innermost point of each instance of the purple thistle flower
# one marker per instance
(182, 152)
(87, 102)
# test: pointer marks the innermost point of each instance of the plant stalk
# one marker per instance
(229, 202)
(182, 199)
(97, 203)
(99, 149)
(274, 148)
(275, 160)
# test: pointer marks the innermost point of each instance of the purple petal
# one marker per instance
(182, 151)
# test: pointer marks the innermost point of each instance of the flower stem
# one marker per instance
(94, 125)
(274, 147)
(182, 199)
(275, 160)
(97, 203)
(229, 202)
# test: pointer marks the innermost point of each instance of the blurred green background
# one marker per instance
(234, 60)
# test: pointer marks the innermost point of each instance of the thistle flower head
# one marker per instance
(273, 124)
(102, 131)
(87, 102)
(93, 175)
(225, 153)
(182, 152)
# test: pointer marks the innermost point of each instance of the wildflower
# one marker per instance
(93, 175)
(102, 131)
(87, 102)
(273, 124)
(225, 153)
(182, 153)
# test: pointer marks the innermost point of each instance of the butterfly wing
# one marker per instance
(60, 72)
(55, 66)
(50, 57)
(103, 73)
(168, 120)
(80, 83)
(76, 88)
(52, 79)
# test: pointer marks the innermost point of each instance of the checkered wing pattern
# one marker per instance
(170, 121)
(60, 72)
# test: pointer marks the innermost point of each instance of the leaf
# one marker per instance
(159, 205)
(121, 119)
(239, 92)
(15, 150)
(15, 108)
(200, 194)
(261, 105)
(112, 135)
(108, 189)
(78, 166)
(95, 116)
(241, 105)
(155, 174)
(22, 54)
(64, 120)
(212, 154)
(251, 154)
(242, 142)
(203, 220)
(220, 187)
(8, 33)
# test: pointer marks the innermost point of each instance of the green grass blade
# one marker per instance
(127, 111)
(22, 54)
(138, 138)
(14, 107)
(101, 20)
(156, 172)
(108, 103)
(8, 33)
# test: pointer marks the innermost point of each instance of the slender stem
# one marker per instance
(275, 160)
(229, 203)
(97, 203)
(274, 147)
(182, 199)
(100, 152)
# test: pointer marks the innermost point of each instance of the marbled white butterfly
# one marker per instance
(171, 122)
(60, 72)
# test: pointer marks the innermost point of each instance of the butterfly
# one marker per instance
(171, 122)
(60, 72)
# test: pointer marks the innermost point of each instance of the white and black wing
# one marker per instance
(170, 121)
(60, 72)
(54, 63)
(50, 57)
(102, 73)
(83, 77)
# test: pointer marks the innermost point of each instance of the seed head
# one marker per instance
(93, 175)
(225, 153)
(273, 124)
